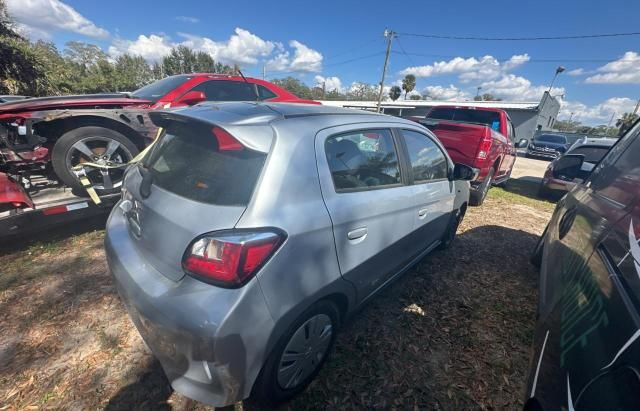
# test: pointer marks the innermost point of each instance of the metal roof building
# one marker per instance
(527, 117)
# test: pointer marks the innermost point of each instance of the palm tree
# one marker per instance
(395, 93)
(408, 84)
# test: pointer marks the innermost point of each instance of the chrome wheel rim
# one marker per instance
(304, 351)
(103, 151)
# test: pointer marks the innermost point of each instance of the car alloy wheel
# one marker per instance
(103, 151)
(305, 350)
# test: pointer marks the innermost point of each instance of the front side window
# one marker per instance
(428, 162)
(363, 159)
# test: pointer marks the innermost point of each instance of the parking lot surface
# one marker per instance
(453, 333)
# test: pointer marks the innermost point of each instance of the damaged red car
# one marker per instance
(43, 139)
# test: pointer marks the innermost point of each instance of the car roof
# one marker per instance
(594, 142)
(253, 113)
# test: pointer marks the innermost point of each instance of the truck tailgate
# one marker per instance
(460, 139)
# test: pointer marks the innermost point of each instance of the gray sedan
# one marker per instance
(251, 231)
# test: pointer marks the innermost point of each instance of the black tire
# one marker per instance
(478, 195)
(452, 228)
(543, 191)
(65, 155)
(267, 390)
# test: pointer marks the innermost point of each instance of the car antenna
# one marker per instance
(255, 87)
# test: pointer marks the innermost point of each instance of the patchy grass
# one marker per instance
(453, 333)
(521, 191)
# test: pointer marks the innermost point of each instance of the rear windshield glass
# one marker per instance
(159, 88)
(186, 161)
(591, 154)
(550, 138)
(489, 118)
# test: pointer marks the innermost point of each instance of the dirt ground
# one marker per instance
(453, 333)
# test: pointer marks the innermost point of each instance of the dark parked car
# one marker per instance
(587, 339)
(592, 149)
(548, 146)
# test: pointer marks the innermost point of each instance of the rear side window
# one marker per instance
(363, 159)
(428, 162)
(225, 90)
(265, 93)
(187, 161)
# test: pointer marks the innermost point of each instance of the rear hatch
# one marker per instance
(197, 178)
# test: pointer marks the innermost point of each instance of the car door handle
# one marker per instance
(422, 213)
(357, 233)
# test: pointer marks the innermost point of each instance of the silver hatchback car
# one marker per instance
(251, 231)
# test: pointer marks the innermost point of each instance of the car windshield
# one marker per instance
(159, 88)
(592, 154)
(489, 118)
(550, 138)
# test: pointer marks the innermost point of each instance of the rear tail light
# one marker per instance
(485, 147)
(230, 259)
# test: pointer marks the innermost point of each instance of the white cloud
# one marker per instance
(451, 93)
(330, 83)
(625, 70)
(599, 113)
(576, 72)
(188, 19)
(469, 69)
(243, 47)
(152, 47)
(304, 60)
(41, 18)
(517, 88)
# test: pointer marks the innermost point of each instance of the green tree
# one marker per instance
(408, 84)
(415, 97)
(566, 125)
(294, 86)
(204, 63)
(362, 92)
(131, 73)
(394, 93)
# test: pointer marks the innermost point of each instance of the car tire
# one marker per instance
(71, 149)
(478, 195)
(543, 191)
(452, 228)
(268, 389)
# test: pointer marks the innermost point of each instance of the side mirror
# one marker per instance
(523, 143)
(568, 167)
(191, 98)
(464, 172)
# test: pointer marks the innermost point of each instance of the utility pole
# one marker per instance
(324, 89)
(611, 119)
(571, 116)
(264, 72)
(635, 110)
(478, 91)
(389, 34)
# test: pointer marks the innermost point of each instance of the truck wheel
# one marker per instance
(92, 144)
(477, 196)
(298, 355)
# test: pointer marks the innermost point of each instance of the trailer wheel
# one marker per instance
(92, 144)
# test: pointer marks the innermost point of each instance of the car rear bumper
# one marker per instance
(210, 341)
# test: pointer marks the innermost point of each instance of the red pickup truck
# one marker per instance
(480, 137)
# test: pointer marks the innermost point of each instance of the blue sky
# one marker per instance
(341, 42)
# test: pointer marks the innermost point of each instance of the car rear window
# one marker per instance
(489, 118)
(591, 154)
(550, 138)
(187, 161)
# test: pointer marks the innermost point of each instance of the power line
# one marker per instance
(355, 59)
(541, 60)
(403, 51)
(582, 36)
